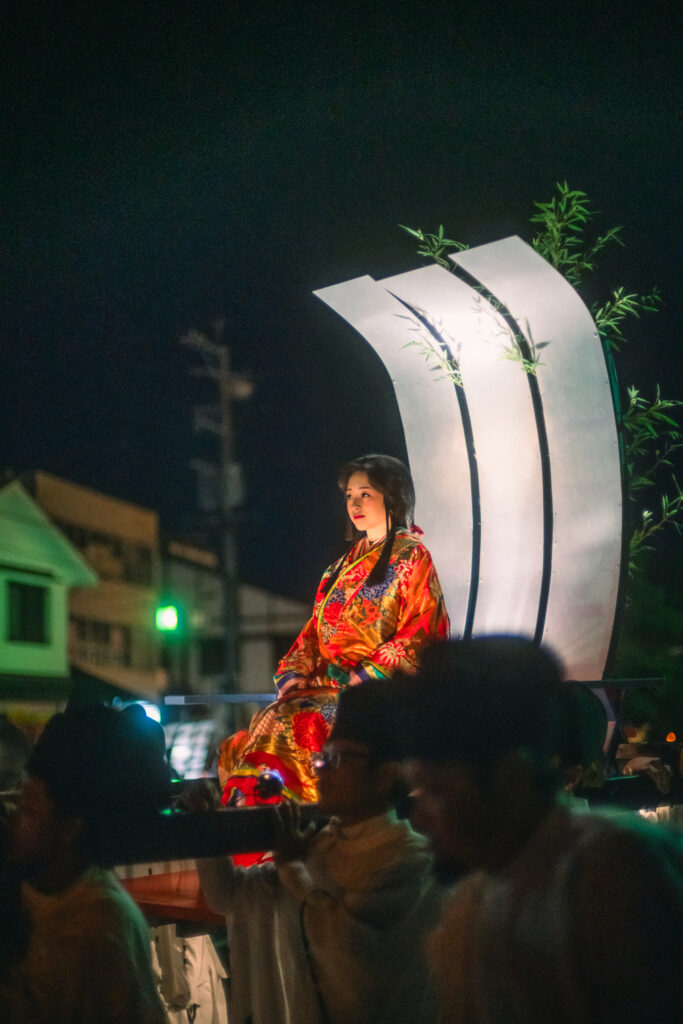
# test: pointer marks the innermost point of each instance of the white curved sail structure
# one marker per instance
(517, 475)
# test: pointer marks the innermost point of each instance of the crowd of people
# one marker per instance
(452, 881)
(494, 900)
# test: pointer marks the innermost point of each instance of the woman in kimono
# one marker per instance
(375, 609)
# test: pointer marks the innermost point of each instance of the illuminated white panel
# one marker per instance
(505, 440)
(433, 432)
(582, 440)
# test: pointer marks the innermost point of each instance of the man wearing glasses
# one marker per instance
(332, 931)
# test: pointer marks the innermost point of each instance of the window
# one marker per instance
(112, 557)
(100, 643)
(27, 619)
(137, 560)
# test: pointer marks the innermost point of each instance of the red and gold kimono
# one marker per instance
(372, 630)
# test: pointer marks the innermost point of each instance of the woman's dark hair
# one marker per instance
(392, 479)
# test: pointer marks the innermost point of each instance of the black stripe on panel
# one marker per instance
(444, 350)
(546, 478)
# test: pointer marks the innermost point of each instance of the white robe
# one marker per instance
(363, 901)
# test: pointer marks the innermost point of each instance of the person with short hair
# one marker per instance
(557, 916)
(332, 932)
(93, 771)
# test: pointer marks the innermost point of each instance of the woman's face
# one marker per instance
(365, 506)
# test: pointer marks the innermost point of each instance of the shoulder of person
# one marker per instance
(347, 555)
(409, 544)
(633, 843)
(101, 896)
(95, 913)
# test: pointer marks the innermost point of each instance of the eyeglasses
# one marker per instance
(332, 759)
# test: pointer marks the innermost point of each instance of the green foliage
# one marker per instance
(652, 437)
(561, 240)
(515, 352)
(651, 641)
(437, 356)
(669, 512)
(651, 433)
(435, 247)
(609, 317)
(651, 646)
(438, 360)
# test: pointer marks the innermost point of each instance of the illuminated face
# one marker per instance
(365, 506)
(344, 784)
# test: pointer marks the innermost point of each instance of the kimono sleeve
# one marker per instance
(422, 617)
(302, 657)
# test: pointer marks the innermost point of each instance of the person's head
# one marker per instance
(94, 773)
(389, 493)
(359, 772)
(484, 724)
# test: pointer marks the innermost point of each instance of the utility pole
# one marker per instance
(217, 419)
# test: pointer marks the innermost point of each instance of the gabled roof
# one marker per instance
(30, 540)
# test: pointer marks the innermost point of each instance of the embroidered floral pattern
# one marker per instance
(310, 730)
(350, 626)
(378, 590)
(372, 629)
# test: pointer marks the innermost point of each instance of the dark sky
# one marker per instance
(187, 161)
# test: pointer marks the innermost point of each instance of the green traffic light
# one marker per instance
(166, 618)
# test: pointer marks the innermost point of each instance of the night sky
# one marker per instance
(188, 161)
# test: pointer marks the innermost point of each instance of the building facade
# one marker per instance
(112, 632)
(38, 569)
(195, 659)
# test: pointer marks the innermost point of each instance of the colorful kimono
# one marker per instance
(372, 630)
